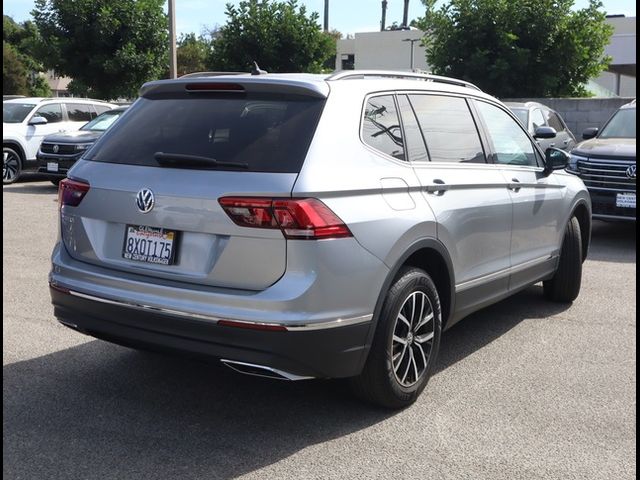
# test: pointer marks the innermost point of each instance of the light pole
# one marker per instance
(412, 40)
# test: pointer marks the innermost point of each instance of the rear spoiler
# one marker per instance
(236, 83)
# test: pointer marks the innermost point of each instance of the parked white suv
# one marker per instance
(26, 121)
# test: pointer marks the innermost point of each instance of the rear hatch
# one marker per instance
(156, 177)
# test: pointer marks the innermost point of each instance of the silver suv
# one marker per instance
(312, 226)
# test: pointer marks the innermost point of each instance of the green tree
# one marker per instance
(280, 36)
(14, 73)
(22, 51)
(192, 53)
(108, 47)
(528, 48)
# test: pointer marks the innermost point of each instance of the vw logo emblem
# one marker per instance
(631, 171)
(56, 148)
(145, 200)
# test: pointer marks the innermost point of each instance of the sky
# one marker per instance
(346, 16)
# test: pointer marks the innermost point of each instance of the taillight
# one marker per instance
(298, 218)
(71, 192)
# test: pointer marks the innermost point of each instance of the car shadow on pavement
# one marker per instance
(101, 411)
(613, 242)
(37, 186)
(483, 327)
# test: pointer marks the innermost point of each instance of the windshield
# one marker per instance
(621, 125)
(259, 133)
(102, 122)
(15, 112)
(522, 114)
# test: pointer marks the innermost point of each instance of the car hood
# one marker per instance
(80, 136)
(607, 147)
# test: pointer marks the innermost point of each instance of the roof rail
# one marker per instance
(355, 74)
(210, 74)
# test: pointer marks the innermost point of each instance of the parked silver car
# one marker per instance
(544, 124)
(313, 226)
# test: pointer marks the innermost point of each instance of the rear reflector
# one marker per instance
(71, 192)
(253, 326)
(59, 288)
(298, 218)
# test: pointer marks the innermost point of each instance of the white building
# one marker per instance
(388, 50)
(620, 79)
(401, 50)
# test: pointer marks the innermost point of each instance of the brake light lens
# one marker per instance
(71, 192)
(214, 87)
(298, 218)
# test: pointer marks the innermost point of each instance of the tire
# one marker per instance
(11, 165)
(395, 373)
(56, 181)
(565, 284)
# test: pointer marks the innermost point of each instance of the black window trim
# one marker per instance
(402, 120)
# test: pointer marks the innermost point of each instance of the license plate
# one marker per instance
(626, 200)
(149, 244)
(52, 166)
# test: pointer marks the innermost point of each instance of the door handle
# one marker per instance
(552, 144)
(515, 186)
(438, 187)
(566, 142)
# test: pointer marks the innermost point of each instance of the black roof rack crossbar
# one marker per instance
(360, 74)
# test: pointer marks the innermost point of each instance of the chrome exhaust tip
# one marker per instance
(261, 370)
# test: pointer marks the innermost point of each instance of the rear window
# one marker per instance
(267, 133)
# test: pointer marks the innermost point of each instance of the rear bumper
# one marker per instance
(314, 321)
(321, 352)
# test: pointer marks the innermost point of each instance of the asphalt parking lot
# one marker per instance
(525, 389)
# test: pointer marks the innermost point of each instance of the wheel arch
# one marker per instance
(17, 147)
(583, 213)
(430, 255)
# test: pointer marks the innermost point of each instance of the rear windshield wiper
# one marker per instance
(183, 160)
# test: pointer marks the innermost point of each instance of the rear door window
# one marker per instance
(448, 129)
(267, 133)
(381, 126)
(79, 112)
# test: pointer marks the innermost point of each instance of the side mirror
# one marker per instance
(555, 159)
(589, 133)
(545, 132)
(38, 121)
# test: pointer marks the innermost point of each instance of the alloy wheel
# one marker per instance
(413, 334)
(10, 167)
